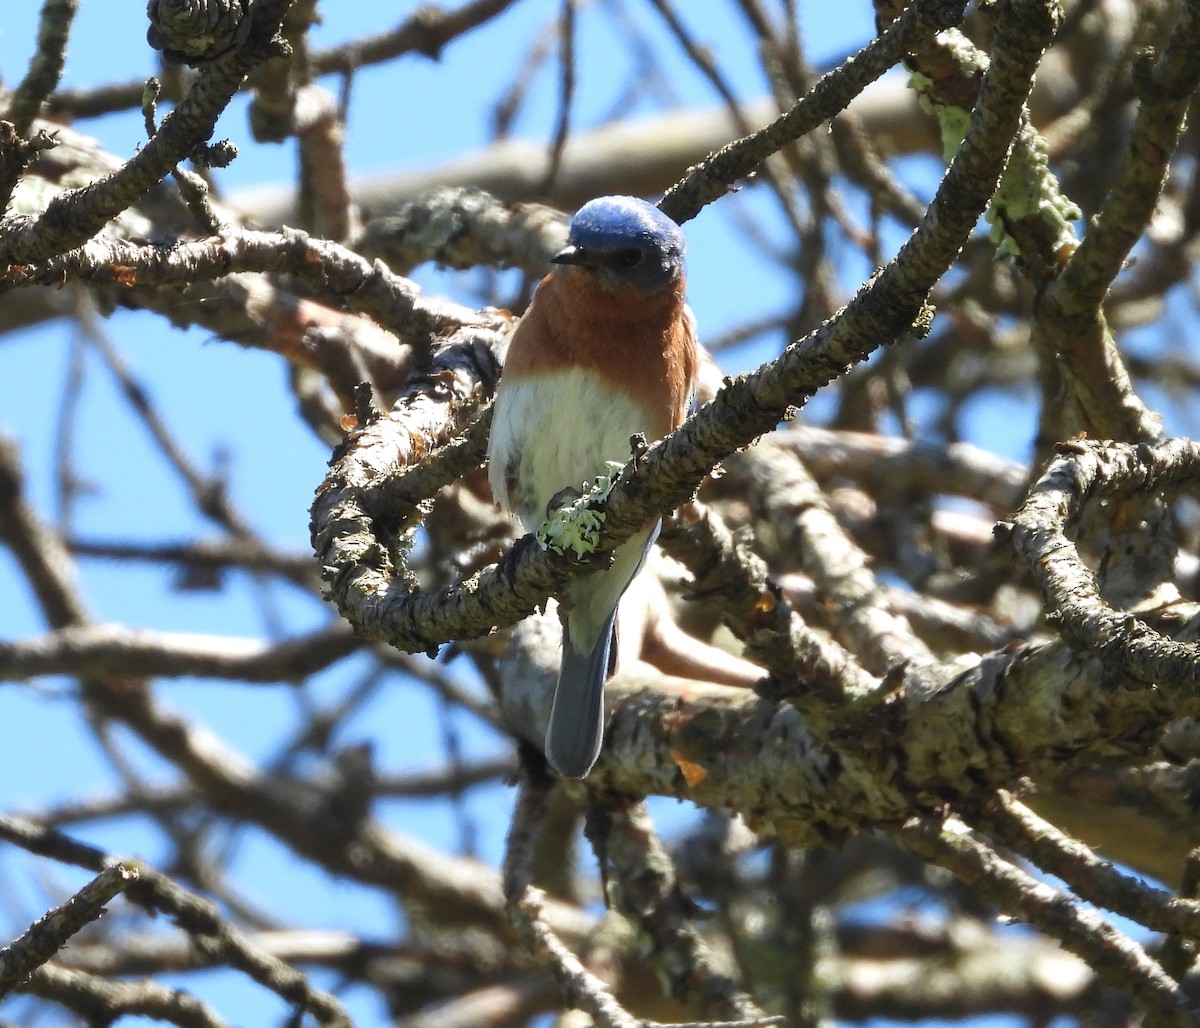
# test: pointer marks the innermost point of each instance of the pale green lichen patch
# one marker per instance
(1028, 188)
(575, 526)
(952, 121)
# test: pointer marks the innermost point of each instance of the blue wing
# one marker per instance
(576, 729)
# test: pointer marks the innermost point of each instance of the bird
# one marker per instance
(606, 351)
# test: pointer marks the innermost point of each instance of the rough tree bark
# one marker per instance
(975, 682)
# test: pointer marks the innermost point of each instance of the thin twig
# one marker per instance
(566, 94)
(45, 69)
(1112, 954)
(831, 94)
(50, 933)
(1092, 878)
(192, 913)
(98, 1001)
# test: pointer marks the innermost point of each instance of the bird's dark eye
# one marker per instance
(630, 257)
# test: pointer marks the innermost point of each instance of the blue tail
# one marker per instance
(576, 727)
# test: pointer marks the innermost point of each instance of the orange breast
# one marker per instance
(642, 344)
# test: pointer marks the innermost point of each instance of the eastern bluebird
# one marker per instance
(606, 350)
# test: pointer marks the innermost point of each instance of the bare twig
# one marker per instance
(583, 989)
(117, 650)
(830, 95)
(76, 215)
(99, 1001)
(1093, 879)
(195, 915)
(54, 27)
(566, 93)
(48, 935)
(1113, 954)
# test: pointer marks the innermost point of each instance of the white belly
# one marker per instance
(553, 431)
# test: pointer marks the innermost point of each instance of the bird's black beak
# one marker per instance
(571, 255)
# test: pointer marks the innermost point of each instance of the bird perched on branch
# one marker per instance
(606, 350)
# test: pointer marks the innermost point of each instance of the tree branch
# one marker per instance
(48, 935)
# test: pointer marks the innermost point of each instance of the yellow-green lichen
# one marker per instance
(1028, 188)
(952, 121)
(575, 526)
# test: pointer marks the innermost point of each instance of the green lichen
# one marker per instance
(575, 526)
(952, 121)
(1028, 189)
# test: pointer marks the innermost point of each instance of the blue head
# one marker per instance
(625, 241)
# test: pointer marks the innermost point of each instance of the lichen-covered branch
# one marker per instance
(380, 603)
